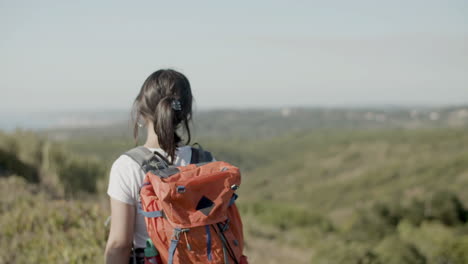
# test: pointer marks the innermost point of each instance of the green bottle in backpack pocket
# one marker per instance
(151, 253)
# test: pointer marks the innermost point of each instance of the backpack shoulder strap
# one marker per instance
(200, 155)
(139, 154)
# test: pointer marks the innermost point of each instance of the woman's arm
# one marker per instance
(119, 243)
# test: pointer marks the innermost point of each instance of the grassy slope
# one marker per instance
(36, 228)
(331, 173)
(291, 183)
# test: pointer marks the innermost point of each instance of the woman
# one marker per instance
(163, 105)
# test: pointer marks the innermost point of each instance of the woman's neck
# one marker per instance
(152, 138)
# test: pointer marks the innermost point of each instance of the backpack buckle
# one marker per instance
(224, 226)
(178, 231)
(181, 189)
(153, 165)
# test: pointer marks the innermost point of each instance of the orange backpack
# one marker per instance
(189, 211)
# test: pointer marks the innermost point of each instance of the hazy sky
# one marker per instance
(96, 54)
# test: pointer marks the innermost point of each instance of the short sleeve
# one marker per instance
(122, 181)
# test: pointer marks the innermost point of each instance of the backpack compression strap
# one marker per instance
(140, 154)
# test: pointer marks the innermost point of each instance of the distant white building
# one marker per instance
(414, 114)
(369, 116)
(458, 117)
(462, 113)
(285, 112)
(434, 116)
(380, 117)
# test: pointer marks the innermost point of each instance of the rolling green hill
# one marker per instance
(342, 194)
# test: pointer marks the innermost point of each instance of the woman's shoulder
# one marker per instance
(124, 180)
(125, 162)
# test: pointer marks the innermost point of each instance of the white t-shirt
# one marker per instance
(126, 178)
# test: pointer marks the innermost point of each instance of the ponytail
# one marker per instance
(166, 125)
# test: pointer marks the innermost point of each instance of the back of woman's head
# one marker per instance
(165, 99)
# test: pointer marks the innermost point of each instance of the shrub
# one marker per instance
(286, 217)
(447, 208)
(80, 174)
(392, 250)
(337, 251)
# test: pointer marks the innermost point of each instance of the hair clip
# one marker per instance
(176, 105)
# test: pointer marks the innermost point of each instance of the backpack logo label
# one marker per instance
(205, 206)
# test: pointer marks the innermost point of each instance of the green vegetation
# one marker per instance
(49, 164)
(39, 228)
(330, 195)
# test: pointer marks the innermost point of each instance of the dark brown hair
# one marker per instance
(158, 101)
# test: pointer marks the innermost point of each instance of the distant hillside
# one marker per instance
(244, 126)
(260, 124)
(360, 190)
(345, 192)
